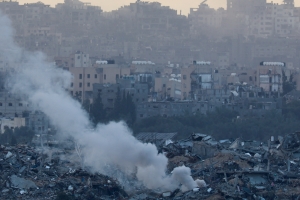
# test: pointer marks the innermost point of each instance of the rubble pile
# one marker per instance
(239, 169)
(221, 169)
(28, 174)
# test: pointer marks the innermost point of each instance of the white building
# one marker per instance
(276, 19)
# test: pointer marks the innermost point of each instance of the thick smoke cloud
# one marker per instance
(107, 148)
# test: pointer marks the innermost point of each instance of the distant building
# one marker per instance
(139, 92)
(38, 122)
(11, 105)
(11, 123)
(270, 77)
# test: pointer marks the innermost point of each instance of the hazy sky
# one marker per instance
(184, 5)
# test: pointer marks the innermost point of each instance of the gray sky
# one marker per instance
(184, 5)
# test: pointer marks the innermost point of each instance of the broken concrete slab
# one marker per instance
(21, 183)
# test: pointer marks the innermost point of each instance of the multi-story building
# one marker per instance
(205, 17)
(12, 106)
(108, 92)
(270, 76)
(78, 13)
(11, 123)
(38, 122)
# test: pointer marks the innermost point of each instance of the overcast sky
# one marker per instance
(184, 5)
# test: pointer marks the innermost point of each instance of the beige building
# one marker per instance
(83, 80)
(111, 73)
(85, 77)
(168, 87)
(11, 123)
(186, 81)
(270, 77)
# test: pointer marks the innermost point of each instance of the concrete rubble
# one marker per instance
(226, 169)
(28, 174)
(239, 169)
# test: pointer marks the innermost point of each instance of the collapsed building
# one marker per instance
(225, 169)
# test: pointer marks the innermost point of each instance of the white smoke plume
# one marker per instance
(107, 148)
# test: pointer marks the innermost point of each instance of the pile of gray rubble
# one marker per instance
(230, 169)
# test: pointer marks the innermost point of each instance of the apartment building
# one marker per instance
(205, 17)
(11, 123)
(78, 13)
(139, 92)
(85, 74)
(83, 80)
(12, 106)
(270, 77)
(38, 122)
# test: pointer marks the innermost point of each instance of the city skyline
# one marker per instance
(178, 5)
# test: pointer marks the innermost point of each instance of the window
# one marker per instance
(80, 76)
(80, 84)
(20, 104)
(10, 104)
(117, 76)
(88, 76)
(88, 84)
(0, 104)
(104, 76)
(96, 76)
(72, 84)
(184, 77)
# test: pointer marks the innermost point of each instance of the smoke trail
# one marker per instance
(107, 147)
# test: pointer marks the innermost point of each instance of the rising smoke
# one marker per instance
(105, 149)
